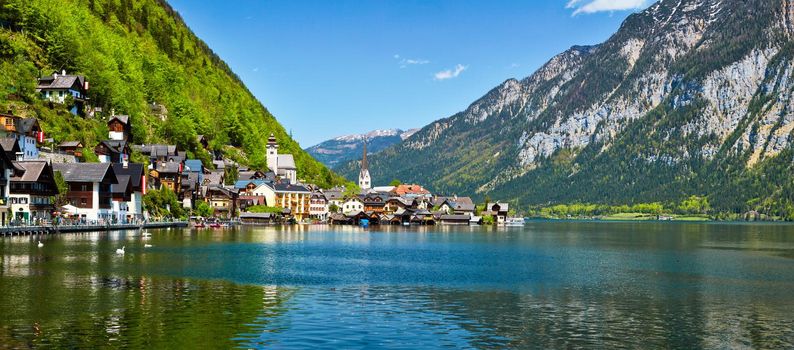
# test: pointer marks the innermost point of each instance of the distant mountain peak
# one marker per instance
(350, 147)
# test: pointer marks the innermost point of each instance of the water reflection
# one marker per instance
(549, 285)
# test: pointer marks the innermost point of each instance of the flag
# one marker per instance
(143, 183)
(40, 136)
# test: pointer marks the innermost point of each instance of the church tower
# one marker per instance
(272, 153)
(364, 180)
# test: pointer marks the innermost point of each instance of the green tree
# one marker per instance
(204, 210)
(60, 199)
(395, 182)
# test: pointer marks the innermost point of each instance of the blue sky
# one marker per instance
(326, 68)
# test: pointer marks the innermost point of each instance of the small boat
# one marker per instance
(514, 222)
(215, 225)
(199, 225)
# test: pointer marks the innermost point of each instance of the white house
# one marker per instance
(352, 205)
(318, 206)
(90, 189)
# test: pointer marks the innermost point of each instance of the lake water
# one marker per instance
(547, 285)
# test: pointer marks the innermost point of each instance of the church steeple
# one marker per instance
(364, 180)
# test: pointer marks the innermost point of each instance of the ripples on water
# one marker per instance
(546, 286)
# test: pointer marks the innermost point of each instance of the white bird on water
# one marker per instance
(41, 245)
(120, 251)
(147, 245)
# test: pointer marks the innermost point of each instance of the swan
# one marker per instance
(146, 234)
(41, 245)
(147, 245)
(120, 251)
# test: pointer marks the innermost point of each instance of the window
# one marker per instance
(60, 93)
(83, 201)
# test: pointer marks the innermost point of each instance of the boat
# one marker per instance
(199, 225)
(215, 225)
(514, 222)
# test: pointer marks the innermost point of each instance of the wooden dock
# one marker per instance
(50, 229)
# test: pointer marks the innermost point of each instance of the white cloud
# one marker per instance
(593, 6)
(450, 73)
(405, 62)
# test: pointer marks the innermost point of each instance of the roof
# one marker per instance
(167, 167)
(410, 189)
(285, 187)
(156, 150)
(28, 125)
(121, 186)
(61, 81)
(333, 195)
(115, 146)
(33, 170)
(286, 161)
(455, 217)
(240, 184)
(9, 144)
(214, 177)
(134, 170)
(502, 206)
(86, 172)
(222, 190)
(193, 165)
(67, 144)
(124, 119)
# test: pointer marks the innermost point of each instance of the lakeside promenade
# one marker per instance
(72, 228)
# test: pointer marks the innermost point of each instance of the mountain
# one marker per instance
(349, 147)
(135, 53)
(688, 97)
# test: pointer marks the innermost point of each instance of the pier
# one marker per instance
(54, 229)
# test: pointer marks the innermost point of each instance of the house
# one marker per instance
(454, 219)
(64, 88)
(411, 191)
(222, 200)
(119, 128)
(395, 204)
(89, 189)
(73, 148)
(113, 151)
(257, 218)
(167, 175)
(498, 210)
(25, 130)
(128, 192)
(374, 203)
(295, 198)
(283, 165)
(32, 190)
(7, 170)
(160, 153)
(318, 206)
(352, 205)
(335, 197)
(456, 205)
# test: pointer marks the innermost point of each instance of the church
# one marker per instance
(283, 165)
(364, 180)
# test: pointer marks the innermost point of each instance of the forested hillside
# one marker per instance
(134, 53)
(687, 98)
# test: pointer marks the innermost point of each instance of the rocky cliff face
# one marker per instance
(684, 87)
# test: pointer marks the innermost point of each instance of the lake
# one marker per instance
(546, 285)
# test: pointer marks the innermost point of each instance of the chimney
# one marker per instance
(63, 72)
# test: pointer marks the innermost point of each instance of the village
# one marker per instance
(112, 191)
